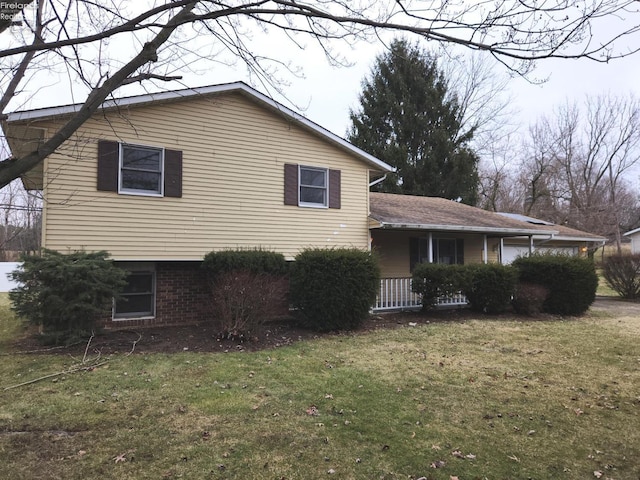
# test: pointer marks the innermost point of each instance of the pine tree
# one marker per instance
(409, 119)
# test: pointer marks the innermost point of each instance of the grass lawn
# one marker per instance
(483, 398)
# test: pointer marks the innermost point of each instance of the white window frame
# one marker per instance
(135, 191)
(325, 171)
(139, 270)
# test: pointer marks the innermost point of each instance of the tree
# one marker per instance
(409, 119)
(574, 168)
(584, 152)
(106, 45)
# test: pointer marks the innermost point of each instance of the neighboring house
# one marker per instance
(160, 180)
(634, 235)
(407, 230)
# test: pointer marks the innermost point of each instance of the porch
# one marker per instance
(396, 294)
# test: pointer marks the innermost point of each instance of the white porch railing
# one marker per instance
(396, 294)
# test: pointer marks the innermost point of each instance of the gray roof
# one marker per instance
(439, 214)
(564, 232)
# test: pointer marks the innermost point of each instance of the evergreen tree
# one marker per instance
(409, 119)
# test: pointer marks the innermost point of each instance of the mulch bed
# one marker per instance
(204, 338)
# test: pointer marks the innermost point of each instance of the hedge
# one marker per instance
(572, 281)
(334, 289)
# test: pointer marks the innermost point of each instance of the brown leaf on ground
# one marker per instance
(438, 464)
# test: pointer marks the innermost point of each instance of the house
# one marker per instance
(160, 180)
(634, 235)
(407, 230)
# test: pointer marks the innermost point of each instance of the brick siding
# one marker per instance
(182, 297)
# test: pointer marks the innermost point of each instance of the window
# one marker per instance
(448, 251)
(130, 169)
(138, 297)
(444, 250)
(141, 169)
(313, 186)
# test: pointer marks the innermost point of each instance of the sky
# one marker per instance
(325, 93)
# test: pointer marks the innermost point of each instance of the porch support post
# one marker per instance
(430, 241)
(530, 244)
(485, 245)
(502, 250)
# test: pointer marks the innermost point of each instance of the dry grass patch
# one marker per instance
(480, 398)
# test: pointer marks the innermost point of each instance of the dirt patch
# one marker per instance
(203, 338)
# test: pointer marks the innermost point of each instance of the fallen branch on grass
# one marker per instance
(57, 374)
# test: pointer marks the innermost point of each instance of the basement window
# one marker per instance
(138, 297)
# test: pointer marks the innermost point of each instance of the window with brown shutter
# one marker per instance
(307, 186)
(139, 170)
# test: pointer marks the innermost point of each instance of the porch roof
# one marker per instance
(409, 212)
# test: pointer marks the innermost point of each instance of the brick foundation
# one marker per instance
(182, 297)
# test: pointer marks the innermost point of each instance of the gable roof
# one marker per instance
(188, 93)
(438, 214)
(563, 232)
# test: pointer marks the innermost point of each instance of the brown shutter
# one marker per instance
(290, 184)
(334, 189)
(173, 173)
(108, 164)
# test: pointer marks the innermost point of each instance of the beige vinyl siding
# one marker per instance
(393, 249)
(233, 185)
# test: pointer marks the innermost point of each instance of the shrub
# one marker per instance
(529, 298)
(248, 288)
(65, 294)
(433, 280)
(334, 288)
(243, 300)
(251, 260)
(489, 287)
(622, 273)
(572, 281)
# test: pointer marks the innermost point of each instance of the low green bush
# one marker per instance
(434, 280)
(572, 281)
(622, 273)
(334, 289)
(248, 287)
(489, 287)
(65, 294)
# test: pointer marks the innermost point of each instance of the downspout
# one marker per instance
(377, 181)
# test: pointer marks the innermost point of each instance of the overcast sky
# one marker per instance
(326, 93)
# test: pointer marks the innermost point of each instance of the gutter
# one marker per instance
(463, 229)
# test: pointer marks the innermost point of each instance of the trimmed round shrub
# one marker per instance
(489, 287)
(253, 260)
(65, 294)
(433, 281)
(622, 273)
(572, 281)
(529, 298)
(334, 289)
